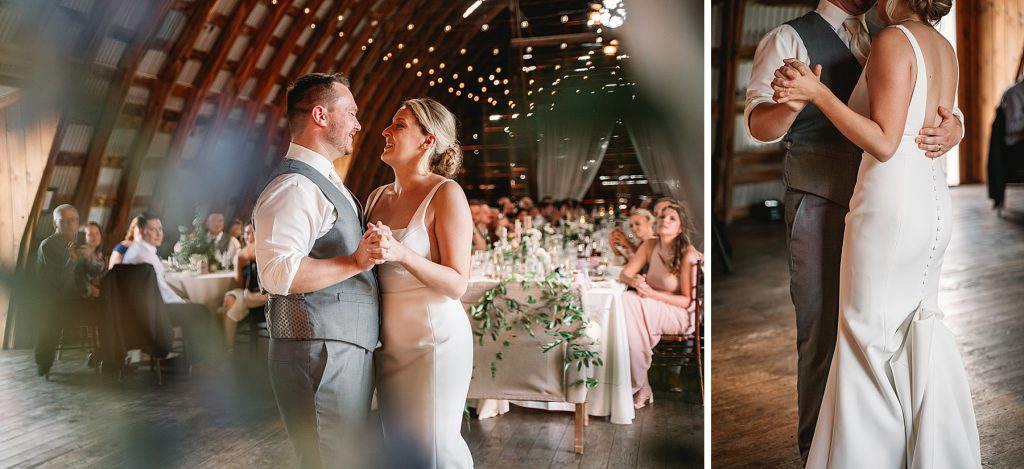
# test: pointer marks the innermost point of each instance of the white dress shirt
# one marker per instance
(782, 43)
(141, 252)
(290, 215)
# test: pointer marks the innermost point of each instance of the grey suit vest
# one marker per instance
(347, 311)
(819, 159)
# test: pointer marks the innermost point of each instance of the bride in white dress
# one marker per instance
(897, 393)
(426, 359)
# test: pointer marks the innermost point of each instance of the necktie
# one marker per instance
(860, 42)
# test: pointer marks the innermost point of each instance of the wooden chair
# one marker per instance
(682, 350)
(136, 318)
(254, 327)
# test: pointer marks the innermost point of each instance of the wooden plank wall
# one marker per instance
(990, 36)
(25, 140)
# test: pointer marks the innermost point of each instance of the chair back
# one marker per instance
(135, 315)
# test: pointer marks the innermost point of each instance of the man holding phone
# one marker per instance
(57, 266)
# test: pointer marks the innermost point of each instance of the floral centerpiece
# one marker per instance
(196, 245)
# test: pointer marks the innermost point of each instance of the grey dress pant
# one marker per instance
(814, 226)
(323, 390)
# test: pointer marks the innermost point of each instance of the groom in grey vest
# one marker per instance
(324, 308)
(819, 171)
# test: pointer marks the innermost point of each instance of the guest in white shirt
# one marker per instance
(193, 318)
(143, 251)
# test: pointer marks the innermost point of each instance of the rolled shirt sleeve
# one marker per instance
(779, 44)
(288, 218)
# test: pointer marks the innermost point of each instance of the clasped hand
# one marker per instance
(795, 81)
(379, 244)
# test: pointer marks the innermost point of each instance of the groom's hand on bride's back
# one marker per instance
(936, 141)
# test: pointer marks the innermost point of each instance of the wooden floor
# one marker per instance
(80, 419)
(754, 336)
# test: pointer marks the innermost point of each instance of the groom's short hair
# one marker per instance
(309, 91)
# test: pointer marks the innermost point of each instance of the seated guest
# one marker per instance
(506, 207)
(480, 213)
(95, 264)
(226, 245)
(547, 199)
(549, 211)
(247, 293)
(194, 318)
(129, 237)
(641, 223)
(662, 203)
(661, 303)
(60, 265)
(525, 203)
(237, 231)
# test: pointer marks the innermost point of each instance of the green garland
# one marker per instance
(560, 314)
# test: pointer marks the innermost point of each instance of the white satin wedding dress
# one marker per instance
(897, 393)
(426, 360)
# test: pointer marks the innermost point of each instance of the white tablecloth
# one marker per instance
(207, 289)
(613, 394)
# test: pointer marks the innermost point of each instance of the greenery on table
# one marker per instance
(198, 242)
(560, 314)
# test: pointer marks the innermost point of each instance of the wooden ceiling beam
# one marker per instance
(200, 87)
(369, 170)
(158, 95)
(273, 70)
(116, 94)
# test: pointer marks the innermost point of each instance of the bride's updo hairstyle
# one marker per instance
(930, 10)
(437, 120)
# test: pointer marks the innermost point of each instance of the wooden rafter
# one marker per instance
(138, 44)
(201, 86)
(273, 69)
(370, 170)
(158, 95)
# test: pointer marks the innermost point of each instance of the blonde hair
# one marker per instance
(437, 120)
(931, 11)
(644, 213)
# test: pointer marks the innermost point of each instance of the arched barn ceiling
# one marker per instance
(165, 102)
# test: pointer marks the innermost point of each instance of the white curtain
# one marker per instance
(668, 60)
(571, 148)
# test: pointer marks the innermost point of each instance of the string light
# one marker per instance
(447, 28)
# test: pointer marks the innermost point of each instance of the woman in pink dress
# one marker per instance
(661, 303)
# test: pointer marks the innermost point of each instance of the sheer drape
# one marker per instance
(570, 151)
